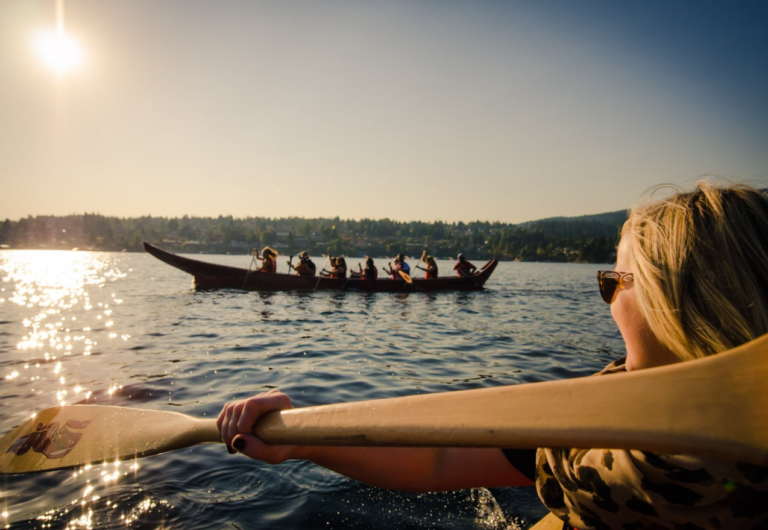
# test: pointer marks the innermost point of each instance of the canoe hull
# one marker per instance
(212, 276)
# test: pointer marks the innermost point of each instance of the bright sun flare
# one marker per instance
(58, 50)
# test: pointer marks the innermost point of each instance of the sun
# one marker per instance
(58, 50)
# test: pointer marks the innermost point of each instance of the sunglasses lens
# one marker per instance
(608, 289)
(608, 285)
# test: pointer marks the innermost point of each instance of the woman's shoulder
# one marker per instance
(613, 487)
(608, 488)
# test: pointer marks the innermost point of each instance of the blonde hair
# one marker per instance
(269, 252)
(700, 263)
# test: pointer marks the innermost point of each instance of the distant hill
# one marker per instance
(605, 218)
(585, 226)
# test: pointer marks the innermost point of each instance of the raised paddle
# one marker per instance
(423, 255)
(253, 258)
(714, 407)
(320, 274)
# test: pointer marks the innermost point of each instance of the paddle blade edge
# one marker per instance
(72, 436)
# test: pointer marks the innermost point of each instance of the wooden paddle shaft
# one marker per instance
(710, 407)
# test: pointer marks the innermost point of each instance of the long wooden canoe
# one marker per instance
(213, 276)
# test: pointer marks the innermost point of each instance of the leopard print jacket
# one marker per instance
(604, 489)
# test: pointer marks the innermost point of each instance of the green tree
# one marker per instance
(268, 236)
(290, 241)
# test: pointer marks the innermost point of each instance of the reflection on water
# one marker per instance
(61, 302)
(66, 308)
(124, 329)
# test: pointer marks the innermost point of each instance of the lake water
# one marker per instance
(125, 329)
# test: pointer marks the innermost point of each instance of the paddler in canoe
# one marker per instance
(400, 267)
(464, 267)
(430, 266)
(305, 266)
(691, 280)
(268, 259)
(370, 272)
(338, 268)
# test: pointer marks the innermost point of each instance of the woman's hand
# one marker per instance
(236, 422)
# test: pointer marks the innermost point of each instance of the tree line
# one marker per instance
(566, 239)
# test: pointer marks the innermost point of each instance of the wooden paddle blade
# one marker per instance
(717, 407)
(405, 276)
(62, 437)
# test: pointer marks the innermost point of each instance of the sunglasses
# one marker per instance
(610, 282)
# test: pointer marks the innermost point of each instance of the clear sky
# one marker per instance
(419, 109)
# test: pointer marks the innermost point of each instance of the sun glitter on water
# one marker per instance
(66, 305)
(49, 287)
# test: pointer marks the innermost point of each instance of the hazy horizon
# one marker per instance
(409, 110)
(342, 219)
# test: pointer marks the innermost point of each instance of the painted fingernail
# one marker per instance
(239, 444)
